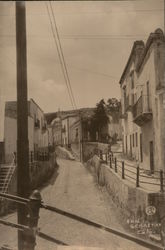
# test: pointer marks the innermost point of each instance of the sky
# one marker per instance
(96, 39)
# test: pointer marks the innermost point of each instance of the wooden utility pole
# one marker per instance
(23, 179)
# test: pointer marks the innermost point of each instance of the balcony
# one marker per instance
(142, 112)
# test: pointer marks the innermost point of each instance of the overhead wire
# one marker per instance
(62, 53)
(59, 55)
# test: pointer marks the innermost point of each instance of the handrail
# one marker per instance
(114, 164)
(130, 177)
(130, 171)
(14, 225)
(39, 233)
(14, 198)
(50, 238)
(141, 242)
(124, 235)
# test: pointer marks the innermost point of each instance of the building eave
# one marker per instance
(157, 35)
(130, 60)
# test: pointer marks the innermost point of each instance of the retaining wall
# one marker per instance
(133, 201)
(91, 148)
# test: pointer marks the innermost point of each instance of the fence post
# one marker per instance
(33, 216)
(106, 158)
(101, 155)
(110, 161)
(112, 156)
(123, 176)
(137, 176)
(115, 165)
(161, 180)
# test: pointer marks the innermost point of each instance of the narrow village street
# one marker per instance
(73, 190)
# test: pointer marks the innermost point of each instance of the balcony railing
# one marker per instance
(142, 112)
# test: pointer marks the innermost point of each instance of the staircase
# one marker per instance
(6, 173)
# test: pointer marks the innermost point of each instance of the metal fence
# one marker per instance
(134, 173)
(34, 203)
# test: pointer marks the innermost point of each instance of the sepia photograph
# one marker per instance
(82, 125)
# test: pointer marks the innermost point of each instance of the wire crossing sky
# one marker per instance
(96, 39)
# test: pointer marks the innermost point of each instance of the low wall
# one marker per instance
(64, 153)
(40, 172)
(133, 201)
(75, 147)
(92, 148)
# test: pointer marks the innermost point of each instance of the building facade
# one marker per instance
(56, 127)
(66, 123)
(142, 94)
(37, 129)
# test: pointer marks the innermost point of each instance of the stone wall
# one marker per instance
(91, 148)
(133, 201)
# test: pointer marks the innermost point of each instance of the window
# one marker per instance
(132, 79)
(136, 139)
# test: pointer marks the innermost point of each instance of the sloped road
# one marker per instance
(74, 190)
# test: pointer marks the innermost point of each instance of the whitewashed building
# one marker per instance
(142, 97)
(37, 129)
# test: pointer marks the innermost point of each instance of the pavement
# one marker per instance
(75, 191)
(150, 183)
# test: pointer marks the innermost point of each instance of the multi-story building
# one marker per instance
(142, 97)
(56, 131)
(37, 129)
(66, 123)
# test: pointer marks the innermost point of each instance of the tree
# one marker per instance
(114, 108)
(99, 119)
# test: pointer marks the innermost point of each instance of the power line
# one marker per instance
(84, 37)
(89, 12)
(59, 55)
(62, 55)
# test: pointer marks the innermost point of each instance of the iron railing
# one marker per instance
(134, 173)
(34, 203)
(142, 106)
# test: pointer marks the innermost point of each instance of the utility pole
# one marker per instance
(23, 179)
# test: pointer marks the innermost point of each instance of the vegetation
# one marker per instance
(114, 109)
(100, 119)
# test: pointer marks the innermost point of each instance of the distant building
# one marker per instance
(142, 98)
(56, 127)
(37, 129)
(66, 123)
